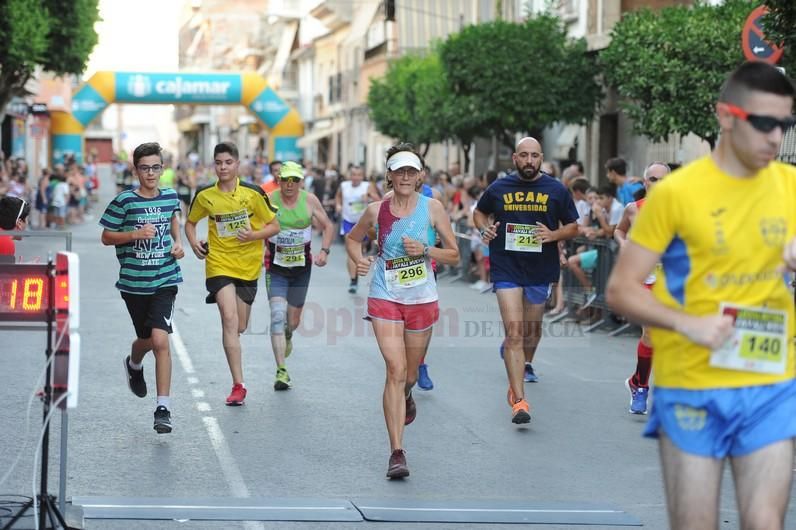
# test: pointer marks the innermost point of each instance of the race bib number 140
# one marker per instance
(760, 342)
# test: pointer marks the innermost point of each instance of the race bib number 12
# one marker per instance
(760, 342)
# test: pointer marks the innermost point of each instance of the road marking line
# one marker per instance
(193, 380)
(197, 393)
(180, 350)
(203, 406)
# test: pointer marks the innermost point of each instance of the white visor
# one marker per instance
(403, 159)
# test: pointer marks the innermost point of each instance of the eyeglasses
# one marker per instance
(21, 209)
(764, 124)
(294, 180)
(157, 168)
(406, 172)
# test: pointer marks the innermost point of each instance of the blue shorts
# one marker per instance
(292, 288)
(588, 259)
(535, 294)
(723, 422)
(345, 228)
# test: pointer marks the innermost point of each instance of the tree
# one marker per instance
(668, 66)
(57, 35)
(521, 77)
(408, 103)
(779, 26)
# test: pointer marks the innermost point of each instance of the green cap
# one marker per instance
(291, 169)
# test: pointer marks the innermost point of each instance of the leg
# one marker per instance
(574, 266)
(692, 487)
(762, 485)
(532, 315)
(416, 343)
(511, 312)
(279, 311)
(294, 317)
(160, 343)
(139, 349)
(390, 337)
(227, 302)
(643, 360)
(244, 311)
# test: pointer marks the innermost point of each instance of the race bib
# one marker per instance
(405, 272)
(228, 224)
(357, 207)
(760, 341)
(289, 251)
(522, 238)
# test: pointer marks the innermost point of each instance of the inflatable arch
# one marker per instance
(247, 89)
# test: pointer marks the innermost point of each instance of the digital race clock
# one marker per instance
(24, 292)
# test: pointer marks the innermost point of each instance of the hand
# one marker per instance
(199, 249)
(412, 247)
(544, 234)
(320, 259)
(710, 331)
(488, 233)
(363, 265)
(177, 251)
(148, 231)
(245, 235)
(789, 254)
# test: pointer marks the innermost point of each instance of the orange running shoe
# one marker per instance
(520, 412)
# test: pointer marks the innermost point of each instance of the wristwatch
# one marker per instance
(426, 250)
(325, 250)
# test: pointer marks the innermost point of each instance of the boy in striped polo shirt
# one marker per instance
(144, 227)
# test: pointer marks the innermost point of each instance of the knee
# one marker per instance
(396, 373)
(160, 343)
(278, 316)
(770, 519)
(513, 340)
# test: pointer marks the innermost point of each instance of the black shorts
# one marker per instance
(292, 288)
(245, 289)
(151, 310)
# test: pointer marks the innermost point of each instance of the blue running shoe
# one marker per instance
(530, 376)
(424, 382)
(638, 397)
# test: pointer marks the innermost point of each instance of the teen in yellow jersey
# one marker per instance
(723, 318)
(240, 218)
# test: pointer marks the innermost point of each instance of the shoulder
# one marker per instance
(252, 188)
(205, 191)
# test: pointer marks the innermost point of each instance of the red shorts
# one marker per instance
(416, 317)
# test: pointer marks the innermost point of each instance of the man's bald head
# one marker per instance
(524, 143)
(528, 158)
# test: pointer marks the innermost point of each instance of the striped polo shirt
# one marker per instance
(146, 264)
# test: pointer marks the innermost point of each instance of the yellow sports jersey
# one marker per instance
(721, 240)
(245, 207)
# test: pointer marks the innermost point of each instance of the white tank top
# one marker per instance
(355, 200)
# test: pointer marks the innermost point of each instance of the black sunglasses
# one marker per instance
(294, 180)
(764, 124)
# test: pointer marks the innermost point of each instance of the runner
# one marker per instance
(723, 319)
(532, 212)
(350, 202)
(144, 226)
(289, 261)
(14, 216)
(240, 217)
(402, 303)
(638, 383)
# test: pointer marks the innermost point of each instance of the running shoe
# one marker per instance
(411, 410)
(591, 297)
(236, 397)
(397, 467)
(162, 420)
(135, 379)
(282, 379)
(424, 382)
(530, 375)
(288, 341)
(520, 412)
(352, 287)
(638, 397)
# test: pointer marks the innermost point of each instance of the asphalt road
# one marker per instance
(325, 438)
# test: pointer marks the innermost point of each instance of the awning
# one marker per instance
(565, 141)
(317, 134)
(363, 16)
(282, 53)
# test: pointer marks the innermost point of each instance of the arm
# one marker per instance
(449, 253)
(176, 238)
(481, 221)
(338, 201)
(319, 214)
(353, 241)
(196, 245)
(620, 232)
(270, 229)
(567, 231)
(627, 295)
(110, 237)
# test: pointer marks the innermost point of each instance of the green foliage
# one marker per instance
(669, 65)
(57, 35)
(521, 77)
(779, 26)
(409, 102)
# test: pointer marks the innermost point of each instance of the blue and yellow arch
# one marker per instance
(247, 89)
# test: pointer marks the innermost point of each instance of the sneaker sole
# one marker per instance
(233, 403)
(127, 377)
(629, 391)
(279, 385)
(425, 388)
(399, 474)
(521, 417)
(162, 429)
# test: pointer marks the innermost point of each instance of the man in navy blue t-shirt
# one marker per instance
(530, 212)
